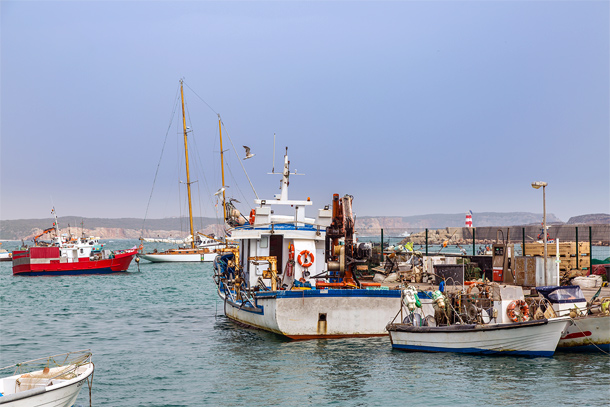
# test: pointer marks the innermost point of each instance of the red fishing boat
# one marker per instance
(69, 256)
(49, 261)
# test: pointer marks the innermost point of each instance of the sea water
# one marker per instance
(159, 338)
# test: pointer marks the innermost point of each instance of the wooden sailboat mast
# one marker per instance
(222, 167)
(188, 177)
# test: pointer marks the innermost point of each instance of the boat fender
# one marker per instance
(252, 216)
(303, 262)
(439, 298)
(523, 307)
(409, 299)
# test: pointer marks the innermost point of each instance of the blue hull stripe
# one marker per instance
(586, 348)
(472, 350)
(106, 270)
(330, 293)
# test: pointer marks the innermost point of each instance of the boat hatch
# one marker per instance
(322, 328)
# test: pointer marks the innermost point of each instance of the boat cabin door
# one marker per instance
(276, 248)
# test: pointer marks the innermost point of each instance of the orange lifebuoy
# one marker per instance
(291, 252)
(252, 216)
(523, 307)
(306, 254)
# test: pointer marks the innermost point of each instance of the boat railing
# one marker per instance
(297, 224)
(71, 360)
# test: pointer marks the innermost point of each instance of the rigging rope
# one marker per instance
(159, 163)
(237, 155)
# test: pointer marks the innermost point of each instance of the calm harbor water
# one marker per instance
(159, 338)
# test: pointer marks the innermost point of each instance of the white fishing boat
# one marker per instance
(495, 321)
(54, 381)
(295, 275)
(589, 329)
(202, 248)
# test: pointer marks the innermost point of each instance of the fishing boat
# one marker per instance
(589, 329)
(67, 256)
(54, 381)
(202, 247)
(295, 275)
(5, 255)
(493, 321)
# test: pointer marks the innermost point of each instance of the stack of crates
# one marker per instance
(567, 254)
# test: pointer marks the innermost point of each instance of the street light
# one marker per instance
(537, 185)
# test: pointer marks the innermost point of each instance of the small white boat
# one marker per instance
(54, 381)
(589, 330)
(486, 325)
(5, 255)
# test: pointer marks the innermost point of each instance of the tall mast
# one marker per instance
(222, 168)
(188, 177)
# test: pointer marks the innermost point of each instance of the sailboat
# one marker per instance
(202, 247)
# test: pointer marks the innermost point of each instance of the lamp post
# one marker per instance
(537, 185)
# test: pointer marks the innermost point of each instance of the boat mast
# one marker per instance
(188, 177)
(222, 168)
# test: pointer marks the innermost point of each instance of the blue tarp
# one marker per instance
(562, 295)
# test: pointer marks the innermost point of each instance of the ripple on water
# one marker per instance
(159, 339)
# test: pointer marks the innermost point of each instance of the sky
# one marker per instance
(412, 107)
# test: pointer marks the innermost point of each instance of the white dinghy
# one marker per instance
(54, 381)
(494, 321)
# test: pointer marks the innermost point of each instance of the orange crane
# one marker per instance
(43, 232)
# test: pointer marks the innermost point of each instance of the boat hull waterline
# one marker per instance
(318, 314)
(587, 334)
(164, 257)
(532, 338)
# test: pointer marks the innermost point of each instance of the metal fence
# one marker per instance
(474, 241)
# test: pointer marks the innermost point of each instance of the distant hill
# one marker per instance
(436, 221)
(131, 228)
(594, 218)
(122, 228)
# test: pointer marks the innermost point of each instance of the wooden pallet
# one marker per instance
(569, 263)
(565, 249)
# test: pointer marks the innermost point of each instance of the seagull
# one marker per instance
(220, 191)
(248, 155)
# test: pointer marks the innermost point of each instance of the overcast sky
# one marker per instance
(413, 107)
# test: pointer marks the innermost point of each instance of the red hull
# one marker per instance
(23, 264)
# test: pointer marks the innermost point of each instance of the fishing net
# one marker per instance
(46, 371)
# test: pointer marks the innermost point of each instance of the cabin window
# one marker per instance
(81, 250)
(264, 242)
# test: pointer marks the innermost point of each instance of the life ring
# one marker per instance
(523, 307)
(306, 254)
(291, 252)
(252, 216)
